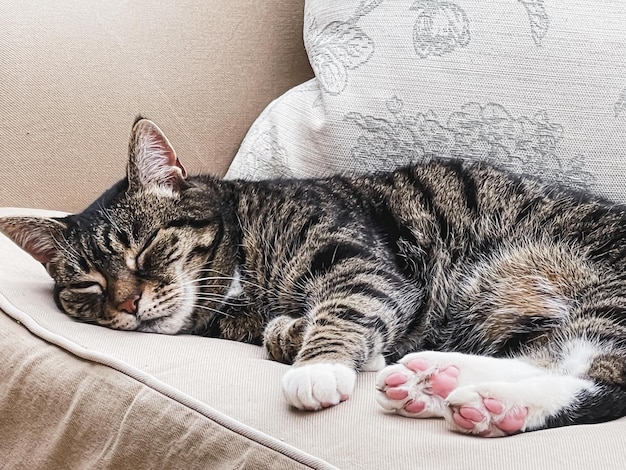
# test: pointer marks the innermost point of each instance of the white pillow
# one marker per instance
(538, 86)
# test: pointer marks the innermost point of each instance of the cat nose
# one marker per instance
(130, 305)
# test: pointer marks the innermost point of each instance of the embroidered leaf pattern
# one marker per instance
(620, 105)
(539, 20)
(366, 7)
(525, 144)
(339, 47)
(441, 27)
(266, 156)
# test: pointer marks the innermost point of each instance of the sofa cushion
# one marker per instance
(138, 400)
(536, 86)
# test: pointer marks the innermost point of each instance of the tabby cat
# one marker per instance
(502, 299)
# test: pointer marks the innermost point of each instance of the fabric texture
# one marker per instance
(537, 86)
(74, 74)
(91, 397)
(531, 84)
(60, 411)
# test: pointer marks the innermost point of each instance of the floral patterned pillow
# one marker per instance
(538, 86)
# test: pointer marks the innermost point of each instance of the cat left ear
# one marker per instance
(152, 162)
(38, 236)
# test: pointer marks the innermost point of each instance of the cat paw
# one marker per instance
(316, 386)
(417, 386)
(486, 413)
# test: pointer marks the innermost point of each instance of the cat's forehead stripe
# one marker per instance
(130, 258)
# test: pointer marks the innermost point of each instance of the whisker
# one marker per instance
(224, 302)
(105, 212)
(204, 307)
(218, 278)
(67, 248)
(243, 281)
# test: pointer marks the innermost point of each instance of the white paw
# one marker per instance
(488, 410)
(418, 385)
(317, 386)
(502, 408)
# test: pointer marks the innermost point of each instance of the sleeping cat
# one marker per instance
(502, 298)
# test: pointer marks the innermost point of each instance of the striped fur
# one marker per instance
(338, 272)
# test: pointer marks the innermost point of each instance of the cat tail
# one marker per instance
(601, 403)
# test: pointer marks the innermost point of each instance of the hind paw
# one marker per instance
(417, 386)
(484, 413)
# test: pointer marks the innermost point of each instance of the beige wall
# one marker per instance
(73, 75)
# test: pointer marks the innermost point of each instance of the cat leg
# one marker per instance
(356, 306)
(342, 337)
(282, 338)
(307, 386)
(495, 409)
(419, 384)
(585, 385)
(310, 387)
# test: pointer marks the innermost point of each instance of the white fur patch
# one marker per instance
(577, 356)
(375, 364)
(169, 325)
(235, 289)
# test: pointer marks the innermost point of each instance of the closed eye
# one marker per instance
(86, 287)
(140, 258)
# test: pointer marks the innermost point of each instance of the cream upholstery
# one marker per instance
(73, 75)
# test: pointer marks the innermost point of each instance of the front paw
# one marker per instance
(316, 386)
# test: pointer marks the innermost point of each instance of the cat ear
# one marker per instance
(152, 163)
(36, 235)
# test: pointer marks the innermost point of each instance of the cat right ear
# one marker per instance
(153, 164)
(38, 236)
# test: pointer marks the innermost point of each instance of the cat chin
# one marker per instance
(172, 324)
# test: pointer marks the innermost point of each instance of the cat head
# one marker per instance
(148, 255)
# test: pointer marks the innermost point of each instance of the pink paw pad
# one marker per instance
(445, 381)
(415, 406)
(513, 421)
(396, 393)
(467, 417)
(418, 365)
(395, 379)
(493, 406)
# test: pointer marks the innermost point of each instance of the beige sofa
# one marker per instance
(73, 76)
